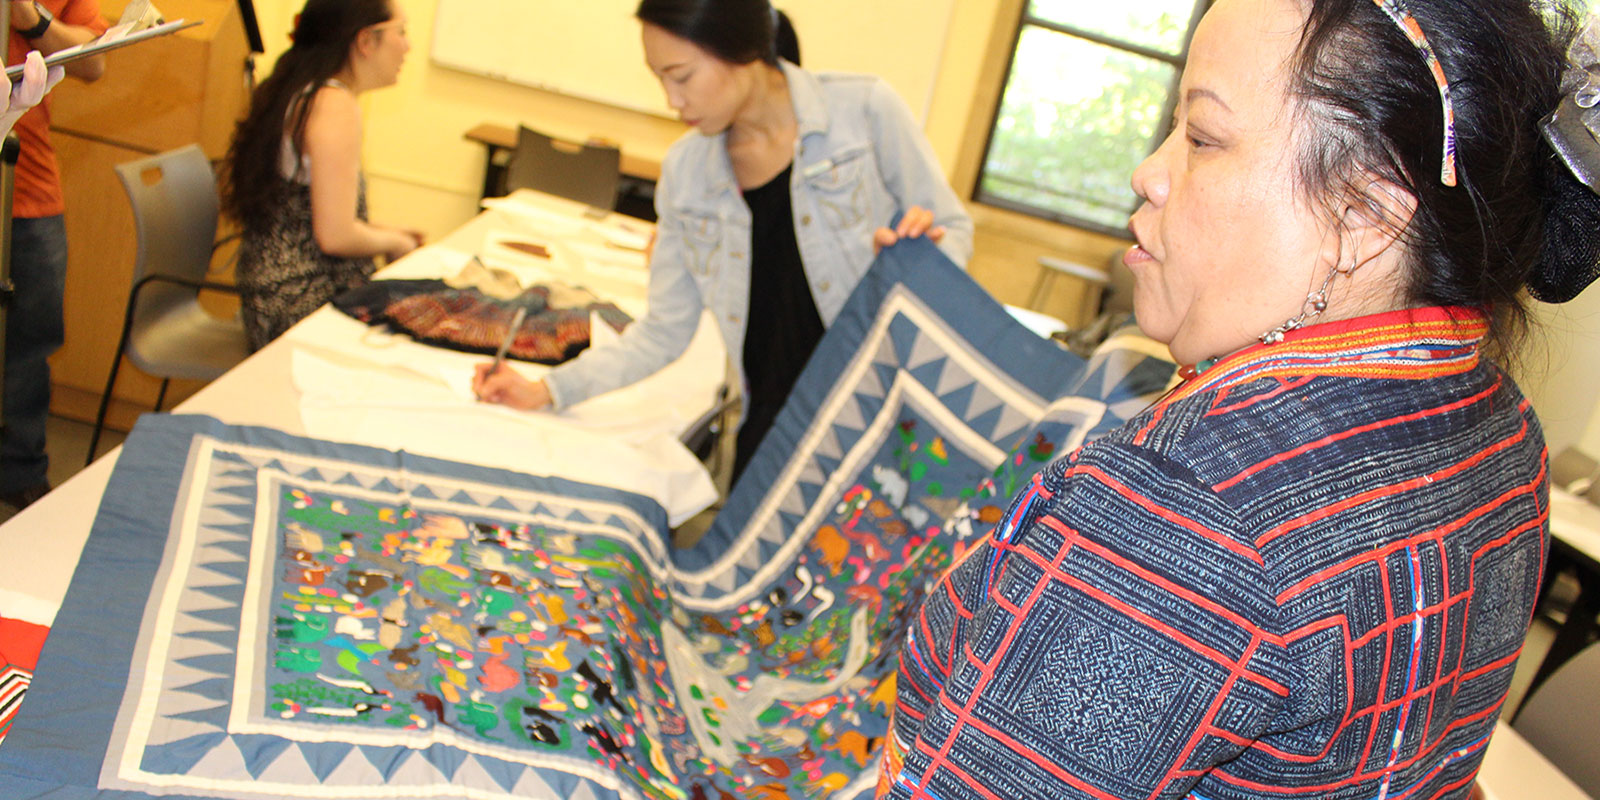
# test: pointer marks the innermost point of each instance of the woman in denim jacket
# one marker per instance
(770, 210)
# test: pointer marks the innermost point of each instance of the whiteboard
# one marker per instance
(590, 48)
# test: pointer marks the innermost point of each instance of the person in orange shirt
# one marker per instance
(38, 248)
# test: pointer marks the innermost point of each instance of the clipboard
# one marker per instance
(97, 47)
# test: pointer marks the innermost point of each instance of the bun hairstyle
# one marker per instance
(1517, 217)
(323, 33)
(736, 31)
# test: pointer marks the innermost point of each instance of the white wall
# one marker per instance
(1562, 372)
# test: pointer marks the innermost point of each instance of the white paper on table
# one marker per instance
(676, 395)
(395, 409)
(622, 234)
(663, 403)
(430, 261)
(615, 273)
(610, 256)
(552, 223)
(529, 269)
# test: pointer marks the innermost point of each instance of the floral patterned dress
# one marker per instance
(283, 276)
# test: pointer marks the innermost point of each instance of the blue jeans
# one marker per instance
(34, 330)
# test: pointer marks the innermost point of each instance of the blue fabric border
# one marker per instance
(921, 267)
(59, 740)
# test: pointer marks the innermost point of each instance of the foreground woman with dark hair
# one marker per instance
(771, 209)
(294, 178)
(1309, 570)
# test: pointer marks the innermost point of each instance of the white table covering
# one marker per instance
(1513, 770)
(1575, 521)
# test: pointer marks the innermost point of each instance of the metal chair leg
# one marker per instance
(105, 403)
(111, 382)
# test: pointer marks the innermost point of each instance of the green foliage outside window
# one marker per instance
(1087, 98)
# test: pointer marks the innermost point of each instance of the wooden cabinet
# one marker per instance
(189, 87)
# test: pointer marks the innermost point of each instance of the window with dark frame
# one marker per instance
(1088, 94)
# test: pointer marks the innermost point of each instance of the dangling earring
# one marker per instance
(1316, 302)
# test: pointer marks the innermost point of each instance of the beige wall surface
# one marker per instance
(414, 129)
(1561, 372)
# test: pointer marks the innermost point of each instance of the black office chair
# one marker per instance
(588, 173)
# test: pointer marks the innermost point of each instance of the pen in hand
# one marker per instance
(505, 344)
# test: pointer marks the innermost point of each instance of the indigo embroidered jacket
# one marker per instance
(860, 159)
(1306, 573)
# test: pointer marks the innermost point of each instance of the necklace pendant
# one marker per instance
(1189, 372)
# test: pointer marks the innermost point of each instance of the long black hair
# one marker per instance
(736, 31)
(323, 33)
(1374, 108)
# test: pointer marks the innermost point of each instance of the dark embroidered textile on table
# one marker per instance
(466, 319)
(784, 324)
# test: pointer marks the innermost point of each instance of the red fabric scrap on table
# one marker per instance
(20, 643)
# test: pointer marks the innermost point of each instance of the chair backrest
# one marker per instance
(174, 199)
(588, 173)
(1562, 719)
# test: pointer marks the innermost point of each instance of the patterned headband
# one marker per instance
(1413, 31)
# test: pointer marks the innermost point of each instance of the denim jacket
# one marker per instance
(860, 159)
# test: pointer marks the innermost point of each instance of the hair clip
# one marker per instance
(1573, 128)
(1408, 25)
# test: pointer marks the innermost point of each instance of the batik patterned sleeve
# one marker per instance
(1115, 637)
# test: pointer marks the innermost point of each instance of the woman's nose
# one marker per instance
(1152, 178)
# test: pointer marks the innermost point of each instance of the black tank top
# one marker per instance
(784, 326)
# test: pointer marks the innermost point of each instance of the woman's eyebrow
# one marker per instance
(1199, 92)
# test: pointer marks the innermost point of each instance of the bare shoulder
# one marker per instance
(334, 119)
(335, 103)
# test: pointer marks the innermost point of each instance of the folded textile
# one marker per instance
(435, 312)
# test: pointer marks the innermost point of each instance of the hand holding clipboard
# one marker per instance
(19, 99)
(103, 44)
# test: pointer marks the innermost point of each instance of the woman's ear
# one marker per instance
(1373, 222)
(365, 43)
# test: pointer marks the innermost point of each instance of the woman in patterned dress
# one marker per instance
(1308, 571)
(295, 182)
